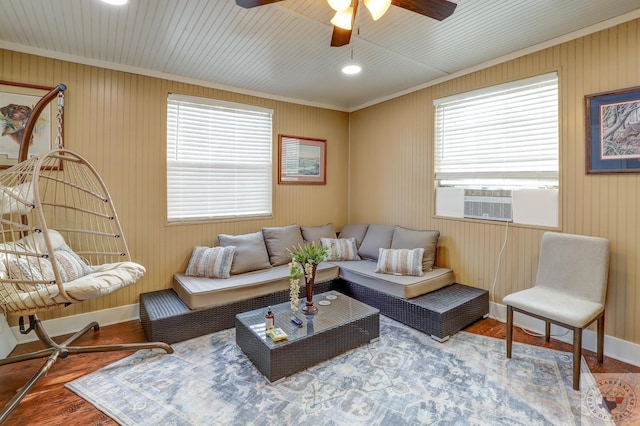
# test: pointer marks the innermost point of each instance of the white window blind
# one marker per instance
(218, 159)
(503, 136)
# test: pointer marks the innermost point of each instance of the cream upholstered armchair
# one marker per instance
(570, 290)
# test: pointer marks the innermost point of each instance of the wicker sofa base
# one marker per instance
(166, 318)
(439, 314)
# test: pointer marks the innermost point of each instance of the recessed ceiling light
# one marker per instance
(351, 69)
(116, 2)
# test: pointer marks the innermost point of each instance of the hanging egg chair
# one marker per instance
(60, 243)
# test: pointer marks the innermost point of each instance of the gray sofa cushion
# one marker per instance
(251, 253)
(315, 233)
(278, 240)
(404, 238)
(354, 231)
(199, 292)
(377, 237)
(363, 272)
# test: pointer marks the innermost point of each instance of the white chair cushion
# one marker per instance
(555, 305)
(105, 279)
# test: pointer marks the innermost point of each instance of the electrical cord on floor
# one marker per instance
(495, 276)
(493, 287)
(534, 334)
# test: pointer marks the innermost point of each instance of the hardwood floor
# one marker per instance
(51, 403)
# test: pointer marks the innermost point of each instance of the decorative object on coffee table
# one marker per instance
(304, 263)
(294, 285)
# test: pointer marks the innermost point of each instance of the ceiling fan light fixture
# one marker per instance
(339, 5)
(116, 2)
(377, 8)
(351, 69)
(343, 19)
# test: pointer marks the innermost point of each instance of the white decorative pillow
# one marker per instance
(30, 268)
(341, 248)
(70, 265)
(400, 262)
(9, 195)
(211, 262)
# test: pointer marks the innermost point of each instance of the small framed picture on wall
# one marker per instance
(613, 131)
(302, 161)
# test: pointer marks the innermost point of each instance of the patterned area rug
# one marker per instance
(403, 378)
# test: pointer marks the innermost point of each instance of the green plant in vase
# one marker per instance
(304, 263)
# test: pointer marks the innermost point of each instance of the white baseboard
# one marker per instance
(616, 348)
(71, 324)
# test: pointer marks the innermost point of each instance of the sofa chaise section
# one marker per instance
(201, 292)
(403, 286)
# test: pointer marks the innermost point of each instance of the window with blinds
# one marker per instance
(219, 162)
(500, 137)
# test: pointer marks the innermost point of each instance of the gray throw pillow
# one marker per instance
(404, 238)
(377, 237)
(316, 233)
(251, 253)
(280, 239)
(354, 231)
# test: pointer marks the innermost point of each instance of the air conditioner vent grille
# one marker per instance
(488, 204)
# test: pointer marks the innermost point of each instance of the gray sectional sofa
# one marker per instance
(253, 273)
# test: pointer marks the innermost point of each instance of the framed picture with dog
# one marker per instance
(16, 103)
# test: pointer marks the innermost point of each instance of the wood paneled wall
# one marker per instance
(380, 169)
(117, 121)
(391, 175)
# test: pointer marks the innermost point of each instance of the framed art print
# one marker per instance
(302, 160)
(613, 131)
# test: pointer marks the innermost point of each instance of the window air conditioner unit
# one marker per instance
(489, 204)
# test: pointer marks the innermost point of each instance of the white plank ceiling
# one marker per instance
(282, 50)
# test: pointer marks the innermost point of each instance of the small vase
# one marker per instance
(309, 308)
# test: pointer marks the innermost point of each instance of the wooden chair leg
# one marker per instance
(547, 331)
(577, 357)
(509, 330)
(600, 351)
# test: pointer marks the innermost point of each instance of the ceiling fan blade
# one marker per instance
(248, 4)
(340, 36)
(436, 9)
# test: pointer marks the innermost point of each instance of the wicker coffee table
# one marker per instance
(343, 325)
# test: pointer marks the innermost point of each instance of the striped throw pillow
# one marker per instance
(70, 265)
(30, 268)
(341, 248)
(211, 262)
(400, 262)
